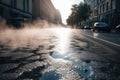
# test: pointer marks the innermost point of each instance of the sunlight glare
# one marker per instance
(63, 35)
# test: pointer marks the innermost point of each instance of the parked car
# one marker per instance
(82, 27)
(87, 27)
(101, 26)
(118, 28)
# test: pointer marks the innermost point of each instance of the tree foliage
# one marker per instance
(80, 12)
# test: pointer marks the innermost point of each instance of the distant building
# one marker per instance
(44, 10)
(105, 10)
(15, 12)
(58, 18)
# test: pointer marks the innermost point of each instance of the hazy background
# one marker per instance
(65, 7)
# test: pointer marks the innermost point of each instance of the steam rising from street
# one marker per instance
(36, 34)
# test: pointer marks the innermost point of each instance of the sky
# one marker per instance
(64, 7)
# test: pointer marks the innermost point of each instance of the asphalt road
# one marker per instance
(111, 37)
(55, 54)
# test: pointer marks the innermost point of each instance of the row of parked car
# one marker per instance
(100, 26)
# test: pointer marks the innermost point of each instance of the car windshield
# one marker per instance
(100, 24)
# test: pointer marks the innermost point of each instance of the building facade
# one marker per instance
(45, 10)
(106, 11)
(15, 12)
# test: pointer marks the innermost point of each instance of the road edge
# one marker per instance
(109, 44)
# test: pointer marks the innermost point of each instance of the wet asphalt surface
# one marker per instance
(112, 36)
(54, 55)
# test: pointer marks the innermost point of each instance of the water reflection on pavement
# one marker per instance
(62, 66)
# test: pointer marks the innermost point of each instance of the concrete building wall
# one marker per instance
(7, 2)
(25, 9)
(44, 9)
(16, 12)
(25, 5)
(58, 17)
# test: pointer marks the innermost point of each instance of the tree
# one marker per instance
(79, 13)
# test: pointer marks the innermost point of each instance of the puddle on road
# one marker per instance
(80, 67)
(64, 68)
(52, 75)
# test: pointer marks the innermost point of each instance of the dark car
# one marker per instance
(101, 26)
(118, 28)
(87, 27)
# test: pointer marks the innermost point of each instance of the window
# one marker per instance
(100, 9)
(26, 5)
(111, 4)
(103, 7)
(107, 5)
(14, 3)
(20, 4)
(1, 12)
